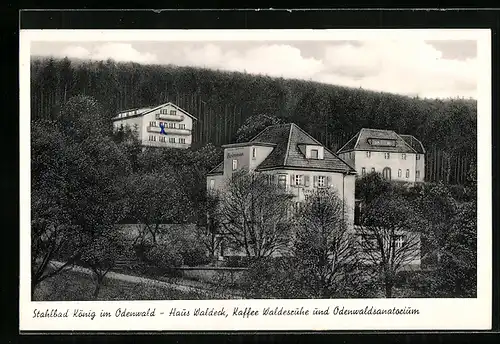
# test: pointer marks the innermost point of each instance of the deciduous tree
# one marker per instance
(324, 248)
(254, 214)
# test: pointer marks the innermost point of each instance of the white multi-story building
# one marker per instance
(396, 157)
(297, 162)
(165, 125)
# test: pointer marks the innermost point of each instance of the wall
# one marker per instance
(241, 154)
(395, 162)
(343, 184)
(219, 181)
(420, 166)
(132, 122)
(262, 153)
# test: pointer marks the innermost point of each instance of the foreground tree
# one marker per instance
(456, 274)
(76, 168)
(156, 199)
(390, 237)
(101, 253)
(325, 253)
(254, 214)
(209, 228)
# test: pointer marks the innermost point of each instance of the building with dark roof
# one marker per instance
(165, 125)
(294, 160)
(396, 157)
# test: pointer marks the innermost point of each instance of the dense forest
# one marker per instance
(222, 101)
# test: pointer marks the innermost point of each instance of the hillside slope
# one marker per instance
(223, 100)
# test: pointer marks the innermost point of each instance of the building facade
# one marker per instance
(165, 125)
(295, 160)
(396, 157)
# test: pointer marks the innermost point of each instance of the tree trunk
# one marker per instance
(388, 290)
(97, 288)
(33, 288)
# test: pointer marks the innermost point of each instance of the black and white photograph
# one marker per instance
(327, 168)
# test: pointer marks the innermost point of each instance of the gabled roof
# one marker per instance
(360, 142)
(414, 143)
(146, 110)
(289, 140)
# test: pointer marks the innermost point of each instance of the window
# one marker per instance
(321, 181)
(373, 169)
(173, 112)
(182, 126)
(152, 124)
(162, 139)
(400, 173)
(398, 241)
(417, 174)
(363, 171)
(299, 179)
(368, 154)
(386, 173)
(297, 207)
(314, 154)
(171, 125)
(212, 184)
(407, 173)
(182, 140)
(387, 155)
(171, 139)
(254, 153)
(235, 164)
(403, 156)
(282, 180)
(418, 156)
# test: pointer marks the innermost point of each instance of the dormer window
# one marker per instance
(382, 142)
(314, 154)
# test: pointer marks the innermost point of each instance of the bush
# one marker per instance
(195, 256)
(164, 257)
(237, 261)
(185, 240)
(272, 278)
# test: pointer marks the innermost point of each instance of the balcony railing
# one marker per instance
(178, 131)
(169, 117)
(154, 129)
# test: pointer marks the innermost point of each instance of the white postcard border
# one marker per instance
(437, 314)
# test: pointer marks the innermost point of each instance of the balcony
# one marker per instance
(177, 131)
(154, 129)
(169, 117)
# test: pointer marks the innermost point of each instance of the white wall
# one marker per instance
(187, 121)
(395, 162)
(132, 122)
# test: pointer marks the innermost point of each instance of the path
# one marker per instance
(137, 279)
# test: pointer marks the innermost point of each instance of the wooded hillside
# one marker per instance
(223, 100)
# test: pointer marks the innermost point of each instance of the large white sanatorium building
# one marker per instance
(396, 157)
(165, 125)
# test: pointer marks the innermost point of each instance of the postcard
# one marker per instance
(222, 180)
